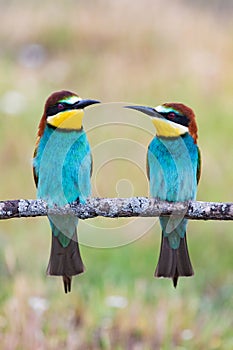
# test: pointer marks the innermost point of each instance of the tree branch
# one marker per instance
(119, 207)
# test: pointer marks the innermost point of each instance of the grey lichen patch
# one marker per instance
(229, 209)
(195, 210)
(149, 206)
(225, 207)
(144, 203)
(87, 210)
(2, 206)
(135, 204)
(108, 208)
(119, 207)
(105, 207)
(38, 207)
(206, 210)
(22, 206)
(127, 208)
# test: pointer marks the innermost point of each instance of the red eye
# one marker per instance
(171, 115)
(60, 106)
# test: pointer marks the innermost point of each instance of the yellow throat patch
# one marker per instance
(167, 128)
(71, 119)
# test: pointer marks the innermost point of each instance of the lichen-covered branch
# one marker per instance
(119, 207)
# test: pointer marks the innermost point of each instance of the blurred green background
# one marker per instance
(145, 52)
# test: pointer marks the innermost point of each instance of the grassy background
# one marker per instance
(146, 52)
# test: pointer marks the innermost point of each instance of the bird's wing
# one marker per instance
(83, 181)
(34, 169)
(91, 170)
(198, 165)
(147, 167)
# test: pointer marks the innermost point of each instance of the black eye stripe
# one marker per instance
(57, 108)
(176, 118)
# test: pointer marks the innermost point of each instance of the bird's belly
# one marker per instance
(64, 172)
(172, 173)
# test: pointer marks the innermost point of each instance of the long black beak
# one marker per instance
(146, 110)
(84, 103)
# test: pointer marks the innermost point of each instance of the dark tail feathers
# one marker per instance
(65, 262)
(174, 262)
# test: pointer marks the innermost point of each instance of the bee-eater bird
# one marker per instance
(173, 168)
(62, 166)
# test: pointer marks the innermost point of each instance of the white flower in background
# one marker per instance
(12, 102)
(187, 334)
(38, 304)
(116, 301)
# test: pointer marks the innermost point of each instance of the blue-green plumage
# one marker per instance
(62, 170)
(172, 165)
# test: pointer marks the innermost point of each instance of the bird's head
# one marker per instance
(64, 110)
(171, 119)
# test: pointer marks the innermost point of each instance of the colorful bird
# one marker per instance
(173, 168)
(62, 166)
